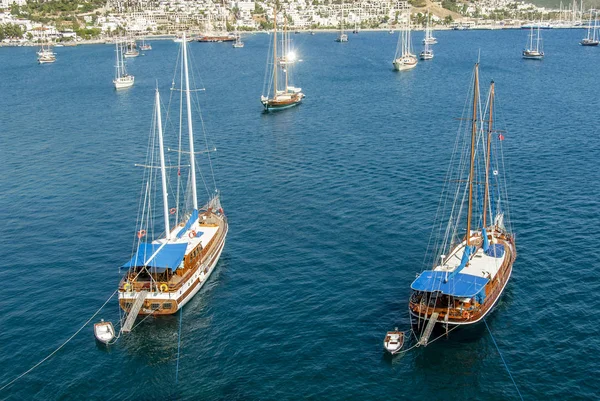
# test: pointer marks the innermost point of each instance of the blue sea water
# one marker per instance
(331, 206)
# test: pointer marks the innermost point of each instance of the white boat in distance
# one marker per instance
(429, 39)
(122, 78)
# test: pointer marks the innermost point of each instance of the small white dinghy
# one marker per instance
(394, 340)
(104, 331)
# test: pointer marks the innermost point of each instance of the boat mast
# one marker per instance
(531, 38)
(537, 44)
(118, 65)
(189, 119)
(487, 158)
(285, 50)
(473, 135)
(163, 172)
(275, 66)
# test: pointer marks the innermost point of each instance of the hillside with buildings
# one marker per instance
(35, 20)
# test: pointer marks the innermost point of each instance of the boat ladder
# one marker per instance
(133, 312)
(429, 329)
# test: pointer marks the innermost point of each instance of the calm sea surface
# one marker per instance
(331, 206)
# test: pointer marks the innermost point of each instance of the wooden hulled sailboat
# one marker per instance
(534, 52)
(471, 268)
(168, 269)
(592, 38)
(404, 58)
(289, 96)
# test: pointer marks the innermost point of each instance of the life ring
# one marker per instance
(127, 287)
(192, 234)
(141, 233)
(164, 287)
(173, 210)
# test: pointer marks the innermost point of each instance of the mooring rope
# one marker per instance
(178, 346)
(60, 347)
(503, 361)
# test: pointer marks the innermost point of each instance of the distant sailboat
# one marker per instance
(472, 259)
(45, 54)
(592, 37)
(122, 78)
(342, 37)
(131, 49)
(238, 40)
(427, 53)
(404, 58)
(534, 52)
(429, 39)
(145, 45)
(289, 95)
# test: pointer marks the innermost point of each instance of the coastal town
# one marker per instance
(29, 22)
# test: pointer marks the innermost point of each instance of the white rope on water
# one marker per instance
(60, 347)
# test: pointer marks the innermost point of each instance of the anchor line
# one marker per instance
(60, 347)
(503, 361)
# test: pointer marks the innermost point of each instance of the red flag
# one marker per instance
(501, 137)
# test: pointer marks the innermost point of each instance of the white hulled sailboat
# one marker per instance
(473, 245)
(122, 78)
(342, 37)
(429, 39)
(404, 58)
(45, 54)
(168, 267)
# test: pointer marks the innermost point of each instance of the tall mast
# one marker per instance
(487, 155)
(189, 118)
(285, 49)
(163, 173)
(531, 39)
(275, 66)
(473, 135)
(118, 65)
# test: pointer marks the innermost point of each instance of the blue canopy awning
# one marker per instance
(168, 257)
(459, 285)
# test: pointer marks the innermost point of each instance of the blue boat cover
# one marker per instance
(168, 257)
(459, 285)
(465, 259)
(486, 241)
(495, 251)
(189, 223)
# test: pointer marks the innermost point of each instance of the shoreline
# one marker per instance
(110, 41)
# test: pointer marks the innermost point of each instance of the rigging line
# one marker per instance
(503, 361)
(60, 347)
(178, 346)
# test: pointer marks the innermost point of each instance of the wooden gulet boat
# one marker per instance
(469, 272)
(290, 95)
(404, 59)
(534, 52)
(592, 38)
(165, 273)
